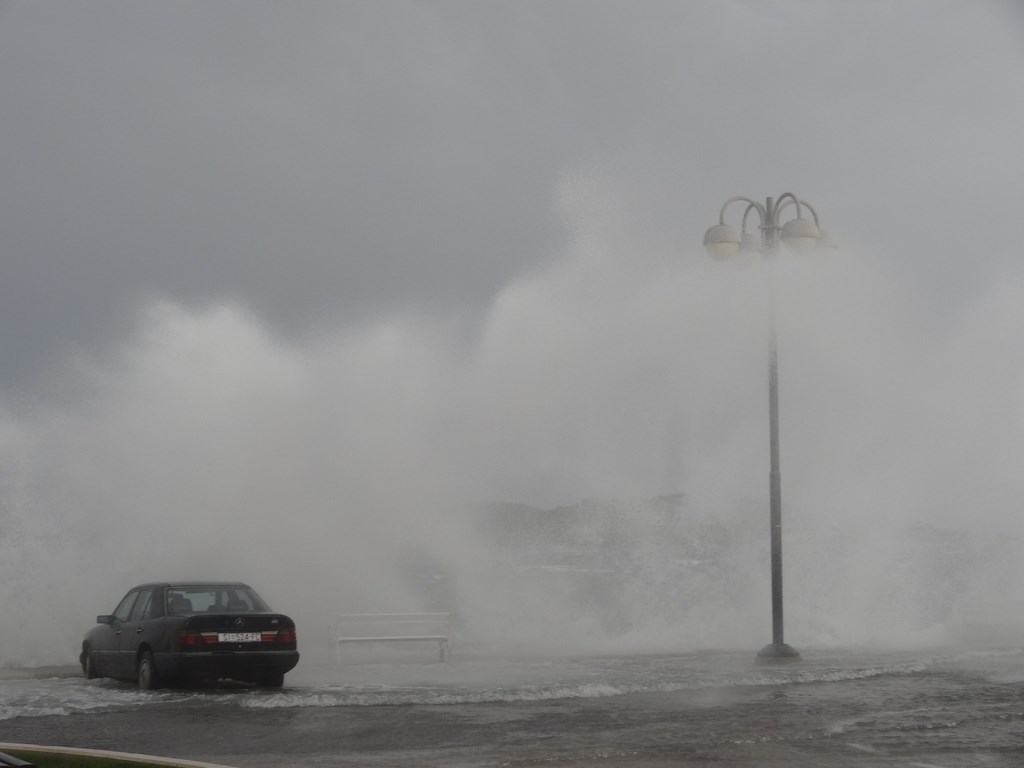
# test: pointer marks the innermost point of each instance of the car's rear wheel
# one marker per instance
(146, 673)
(88, 665)
(271, 680)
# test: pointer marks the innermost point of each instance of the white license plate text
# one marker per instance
(239, 637)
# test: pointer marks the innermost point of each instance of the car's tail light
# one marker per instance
(190, 639)
(279, 636)
(286, 636)
(185, 640)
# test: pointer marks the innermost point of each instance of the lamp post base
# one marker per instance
(777, 653)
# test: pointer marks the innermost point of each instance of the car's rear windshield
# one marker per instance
(214, 598)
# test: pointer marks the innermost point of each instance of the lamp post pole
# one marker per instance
(723, 242)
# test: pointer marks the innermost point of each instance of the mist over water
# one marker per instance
(363, 469)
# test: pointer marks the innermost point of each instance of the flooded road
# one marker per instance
(945, 710)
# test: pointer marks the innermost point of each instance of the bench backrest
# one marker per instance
(369, 625)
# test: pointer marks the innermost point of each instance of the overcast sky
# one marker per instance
(333, 163)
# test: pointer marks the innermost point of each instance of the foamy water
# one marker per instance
(485, 680)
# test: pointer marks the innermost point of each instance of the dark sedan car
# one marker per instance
(190, 632)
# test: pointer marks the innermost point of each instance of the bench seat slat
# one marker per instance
(385, 627)
(383, 639)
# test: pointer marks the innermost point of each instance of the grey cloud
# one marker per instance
(333, 162)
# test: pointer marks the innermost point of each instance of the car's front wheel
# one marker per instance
(88, 664)
(146, 673)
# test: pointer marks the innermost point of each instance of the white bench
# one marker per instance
(390, 627)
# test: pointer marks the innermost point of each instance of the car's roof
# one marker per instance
(151, 584)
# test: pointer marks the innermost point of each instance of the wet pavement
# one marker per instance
(938, 713)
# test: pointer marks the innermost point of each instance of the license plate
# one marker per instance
(239, 637)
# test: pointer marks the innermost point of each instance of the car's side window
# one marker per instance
(124, 608)
(141, 610)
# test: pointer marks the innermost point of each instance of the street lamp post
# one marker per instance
(723, 242)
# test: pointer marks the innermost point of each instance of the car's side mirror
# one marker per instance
(105, 619)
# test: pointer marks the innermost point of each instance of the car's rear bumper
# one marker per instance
(237, 665)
